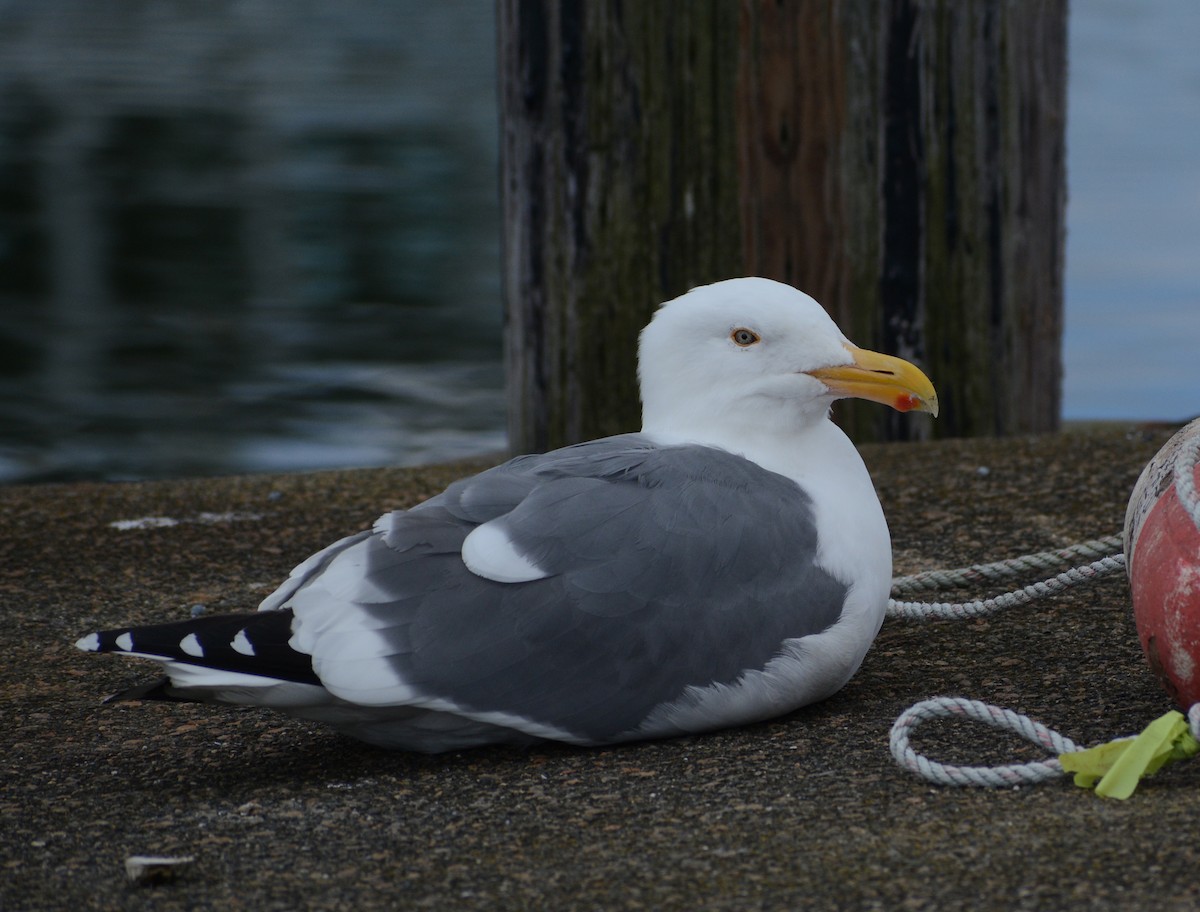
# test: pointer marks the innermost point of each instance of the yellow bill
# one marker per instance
(881, 378)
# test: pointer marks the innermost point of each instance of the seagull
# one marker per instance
(729, 563)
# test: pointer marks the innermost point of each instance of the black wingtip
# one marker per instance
(254, 644)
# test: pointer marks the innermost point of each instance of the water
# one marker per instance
(1133, 263)
(264, 237)
(246, 237)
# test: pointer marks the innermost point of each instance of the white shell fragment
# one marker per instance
(154, 869)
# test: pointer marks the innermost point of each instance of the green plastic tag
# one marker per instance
(1115, 768)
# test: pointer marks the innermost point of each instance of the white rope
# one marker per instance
(1193, 717)
(1109, 558)
(1022, 596)
(1105, 560)
(933, 580)
(1007, 775)
(1185, 479)
(963, 610)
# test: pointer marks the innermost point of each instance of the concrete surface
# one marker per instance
(805, 812)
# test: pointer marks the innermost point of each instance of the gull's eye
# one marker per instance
(744, 337)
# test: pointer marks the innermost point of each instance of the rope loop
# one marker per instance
(1007, 775)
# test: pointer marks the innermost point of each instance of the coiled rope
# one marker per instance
(1124, 761)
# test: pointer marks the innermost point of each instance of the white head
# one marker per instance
(745, 354)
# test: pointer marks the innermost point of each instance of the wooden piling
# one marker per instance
(900, 160)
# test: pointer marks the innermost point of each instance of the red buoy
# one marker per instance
(1162, 552)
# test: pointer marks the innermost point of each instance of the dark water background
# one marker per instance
(256, 236)
(240, 237)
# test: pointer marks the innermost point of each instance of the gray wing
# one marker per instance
(663, 568)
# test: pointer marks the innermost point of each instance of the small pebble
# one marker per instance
(198, 610)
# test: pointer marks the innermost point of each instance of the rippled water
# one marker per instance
(259, 237)
(265, 237)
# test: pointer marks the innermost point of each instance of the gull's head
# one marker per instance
(745, 352)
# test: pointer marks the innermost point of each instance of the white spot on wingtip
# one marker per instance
(89, 643)
(241, 643)
(191, 645)
(125, 642)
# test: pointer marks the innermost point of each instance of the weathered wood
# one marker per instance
(900, 160)
(619, 184)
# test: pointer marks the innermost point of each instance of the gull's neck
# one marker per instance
(798, 450)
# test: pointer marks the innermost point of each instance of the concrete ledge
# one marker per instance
(802, 812)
